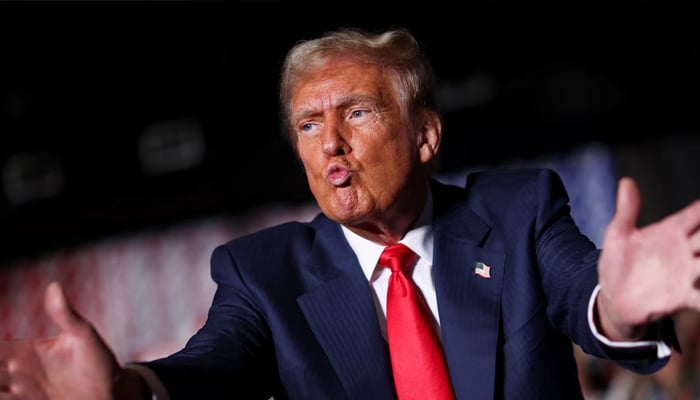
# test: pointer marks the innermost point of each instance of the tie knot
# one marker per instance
(397, 257)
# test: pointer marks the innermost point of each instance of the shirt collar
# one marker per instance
(419, 239)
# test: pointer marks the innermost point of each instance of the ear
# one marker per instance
(429, 135)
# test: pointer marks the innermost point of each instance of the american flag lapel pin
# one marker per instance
(482, 270)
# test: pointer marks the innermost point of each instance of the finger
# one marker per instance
(694, 295)
(627, 206)
(689, 217)
(694, 299)
(10, 350)
(694, 242)
(60, 310)
(24, 385)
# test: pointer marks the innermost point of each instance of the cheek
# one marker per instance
(397, 153)
(306, 156)
(314, 172)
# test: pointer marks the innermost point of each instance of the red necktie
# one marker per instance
(419, 367)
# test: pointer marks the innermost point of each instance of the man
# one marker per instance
(304, 310)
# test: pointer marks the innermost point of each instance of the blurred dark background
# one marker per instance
(120, 116)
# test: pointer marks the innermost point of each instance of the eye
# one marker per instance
(308, 128)
(354, 114)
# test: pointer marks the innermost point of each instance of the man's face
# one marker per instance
(360, 156)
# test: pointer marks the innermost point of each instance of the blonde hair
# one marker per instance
(397, 51)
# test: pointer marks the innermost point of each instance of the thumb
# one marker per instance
(627, 206)
(60, 310)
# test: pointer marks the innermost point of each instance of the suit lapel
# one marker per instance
(342, 314)
(469, 303)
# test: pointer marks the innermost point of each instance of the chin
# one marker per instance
(341, 217)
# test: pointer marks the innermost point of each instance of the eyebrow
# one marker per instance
(342, 102)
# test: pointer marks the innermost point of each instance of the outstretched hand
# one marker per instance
(74, 365)
(647, 273)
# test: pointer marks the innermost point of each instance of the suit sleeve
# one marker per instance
(568, 268)
(231, 354)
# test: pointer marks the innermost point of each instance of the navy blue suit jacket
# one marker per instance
(294, 317)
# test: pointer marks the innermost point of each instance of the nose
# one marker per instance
(334, 140)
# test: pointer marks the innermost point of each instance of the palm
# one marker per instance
(649, 273)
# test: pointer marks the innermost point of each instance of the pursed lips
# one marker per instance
(337, 175)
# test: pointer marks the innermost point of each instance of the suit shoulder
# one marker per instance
(277, 235)
(512, 179)
(502, 188)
